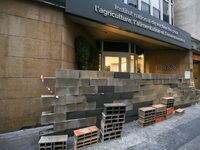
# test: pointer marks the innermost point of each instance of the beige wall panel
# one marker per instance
(12, 88)
(3, 45)
(27, 67)
(179, 59)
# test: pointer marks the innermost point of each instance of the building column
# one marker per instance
(161, 9)
(139, 4)
(151, 8)
(170, 12)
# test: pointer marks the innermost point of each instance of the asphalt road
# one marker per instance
(177, 133)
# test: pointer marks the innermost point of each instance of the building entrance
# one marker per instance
(121, 57)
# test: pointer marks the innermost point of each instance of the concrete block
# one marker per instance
(75, 123)
(88, 74)
(53, 142)
(64, 82)
(49, 118)
(123, 75)
(146, 76)
(87, 90)
(136, 76)
(98, 82)
(67, 73)
(74, 107)
(75, 99)
(67, 91)
(84, 114)
(65, 108)
(105, 89)
(126, 88)
(105, 74)
(47, 100)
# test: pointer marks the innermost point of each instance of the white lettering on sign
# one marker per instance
(139, 20)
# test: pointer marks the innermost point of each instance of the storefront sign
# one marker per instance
(166, 68)
(196, 57)
(128, 18)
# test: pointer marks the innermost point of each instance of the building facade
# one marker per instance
(39, 36)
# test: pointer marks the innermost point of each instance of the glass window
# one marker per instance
(145, 7)
(123, 64)
(146, 1)
(140, 65)
(156, 4)
(112, 63)
(116, 46)
(156, 13)
(132, 63)
(133, 3)
(165, 11)
(172, 11)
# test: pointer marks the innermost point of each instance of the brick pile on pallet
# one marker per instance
(57, 142)
(169, 102)
(161, 112)
(86, 137)
(146, 116)
(112, 121)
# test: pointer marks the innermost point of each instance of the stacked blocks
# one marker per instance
(146, 116)
(86, 137)
(169, 102)
(58, 142)
(112, 121)
(161, 112)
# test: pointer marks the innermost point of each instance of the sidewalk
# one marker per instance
(177, 133)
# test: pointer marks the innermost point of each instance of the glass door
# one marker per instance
(116, 63)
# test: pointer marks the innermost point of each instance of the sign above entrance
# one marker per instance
(128, 18)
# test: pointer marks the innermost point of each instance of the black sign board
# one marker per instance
(128, 18)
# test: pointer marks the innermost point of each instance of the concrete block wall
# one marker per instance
(81, 95)
(35, 39)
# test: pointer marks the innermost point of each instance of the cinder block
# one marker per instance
(110, 136)
(64, 82)
(49, 118)
(105, 74)
(88, 74)
(67, 73)
(122, 75)
(53, 142)
(67, 91)
(47, 100)
(98, 82)
(75, 123)
(105, 89)
(136, 76)
(114, 108)
(74, 107)
(180, 111)
(127, 88)
(87, 90)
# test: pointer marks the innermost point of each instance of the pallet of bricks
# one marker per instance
(113, 118)
(86, 137)
(161, 112)
(169, 102)
(146, 116)
(56, 142)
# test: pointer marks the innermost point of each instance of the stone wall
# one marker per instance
(79, 96)
(35, 39)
